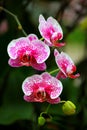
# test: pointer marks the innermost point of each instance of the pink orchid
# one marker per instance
(66, 65)
(51, 31)
(42, 88)
(28, 51)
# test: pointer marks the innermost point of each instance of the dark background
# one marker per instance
(17, 114)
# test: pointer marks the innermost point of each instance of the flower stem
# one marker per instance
(46, 111)
(16, 19)
(62, 101)
(48, 108)
(42, 39)
(54, 71)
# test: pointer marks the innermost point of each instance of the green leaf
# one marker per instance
(13, 106)
(11, 113)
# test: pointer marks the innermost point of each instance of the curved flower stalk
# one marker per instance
(51, 31)
(41, 88)
(28, 51)
(66, 65)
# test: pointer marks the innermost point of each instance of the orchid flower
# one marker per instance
(66, 65)
(28, 51)
(42, 88)
(51, 31)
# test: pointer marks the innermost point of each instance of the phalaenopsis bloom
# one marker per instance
(41, 88)
(51, 31)
(28, 51)
(66, 65)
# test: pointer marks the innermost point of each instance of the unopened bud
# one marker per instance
(41, 120)
(69, 108)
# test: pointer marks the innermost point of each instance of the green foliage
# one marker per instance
(14, 107)
(76, 36)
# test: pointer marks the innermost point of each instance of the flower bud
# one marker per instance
(41, 120)
(69, 108)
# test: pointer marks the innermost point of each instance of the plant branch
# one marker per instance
(16, 19)
(54, 71)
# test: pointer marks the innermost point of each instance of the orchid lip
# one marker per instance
(41, 95)
(25, 59)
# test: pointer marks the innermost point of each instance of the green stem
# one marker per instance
(46, 111)
(16, 19)
(62, 101)
(48, 108)
(53, 71)
(42, 39)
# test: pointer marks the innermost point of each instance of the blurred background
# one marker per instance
(17, 114)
